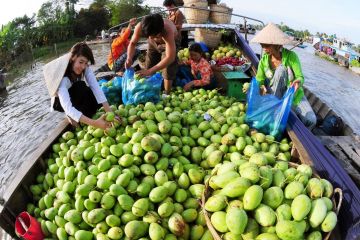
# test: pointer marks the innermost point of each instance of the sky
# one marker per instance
(334, 16)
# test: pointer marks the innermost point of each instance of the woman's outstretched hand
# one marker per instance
(101, 123)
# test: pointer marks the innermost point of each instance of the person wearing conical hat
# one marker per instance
(280, 68)
(73, 87)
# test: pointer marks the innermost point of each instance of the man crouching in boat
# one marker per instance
(280, 68)
(74, 88)
(161, 52)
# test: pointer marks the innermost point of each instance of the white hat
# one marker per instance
(54, 72)
(272, 34)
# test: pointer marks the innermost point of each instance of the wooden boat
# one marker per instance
(17, 194)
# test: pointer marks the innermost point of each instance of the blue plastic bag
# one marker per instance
(135, 91)
(112, 89)
(268, 113)
(183, 75)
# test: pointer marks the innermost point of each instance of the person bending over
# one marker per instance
(161, 53)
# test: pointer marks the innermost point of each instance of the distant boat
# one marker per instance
(249, 28)
(300, 40)
(301, 45)
(339, 49)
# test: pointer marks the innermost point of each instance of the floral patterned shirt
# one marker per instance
(204, 69)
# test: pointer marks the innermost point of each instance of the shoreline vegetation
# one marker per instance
(28, 39)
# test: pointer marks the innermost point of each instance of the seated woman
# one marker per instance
(73, 87)
(202, 74)
(280, 68)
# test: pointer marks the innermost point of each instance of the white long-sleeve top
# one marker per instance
(64, 97)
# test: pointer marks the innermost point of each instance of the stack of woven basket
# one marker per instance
(220, 14)
(210, 37)
(194, 14)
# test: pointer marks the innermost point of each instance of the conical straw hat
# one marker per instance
(54, 72)
(271, 34)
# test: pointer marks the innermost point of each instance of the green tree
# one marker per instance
(123, 10)
(92, 20)
(49, 13)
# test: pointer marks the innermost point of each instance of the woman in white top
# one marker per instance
(76, 92)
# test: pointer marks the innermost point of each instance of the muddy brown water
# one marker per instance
(25, 119)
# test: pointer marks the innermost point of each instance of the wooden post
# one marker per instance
(2, 82)
(55, 47)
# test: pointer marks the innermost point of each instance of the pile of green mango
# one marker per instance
(144, 177)
(262, 199)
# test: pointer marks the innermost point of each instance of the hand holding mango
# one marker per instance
(246, 87)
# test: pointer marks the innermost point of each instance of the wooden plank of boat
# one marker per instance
(347, 150)
(303, 154)
(17, 193)
(348, 144)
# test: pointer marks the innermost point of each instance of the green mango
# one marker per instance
(126, 202)
(283, 212)
(71, 228)
(236, 188)
(61, 233)
(73, 216)
(51, 227)
(83, 235)
(140, 207)
(156, 232)
(236, 220)
(189, 215)
(96, 215)
(317, 213)
(115, 233)
(315, 235)
(300, 207)
(290, 230)
(136, 229)
(293, 189)
(218, 219)
(107, 201)
(220, 181)
(273, 197)
(252, 197)
(265, 215)
(158, 194)
(207, 235)
(166, 209)
(177, 224)
(267, 236)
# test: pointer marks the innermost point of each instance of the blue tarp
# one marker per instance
(328, 167)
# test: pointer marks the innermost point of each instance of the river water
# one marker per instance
(25, 119)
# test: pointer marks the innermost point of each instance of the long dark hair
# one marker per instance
(79, 49)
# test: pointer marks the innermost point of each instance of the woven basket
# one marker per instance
(336, 198)
(196, 16)
(220, 18)
(189, 2)
(210, 37)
